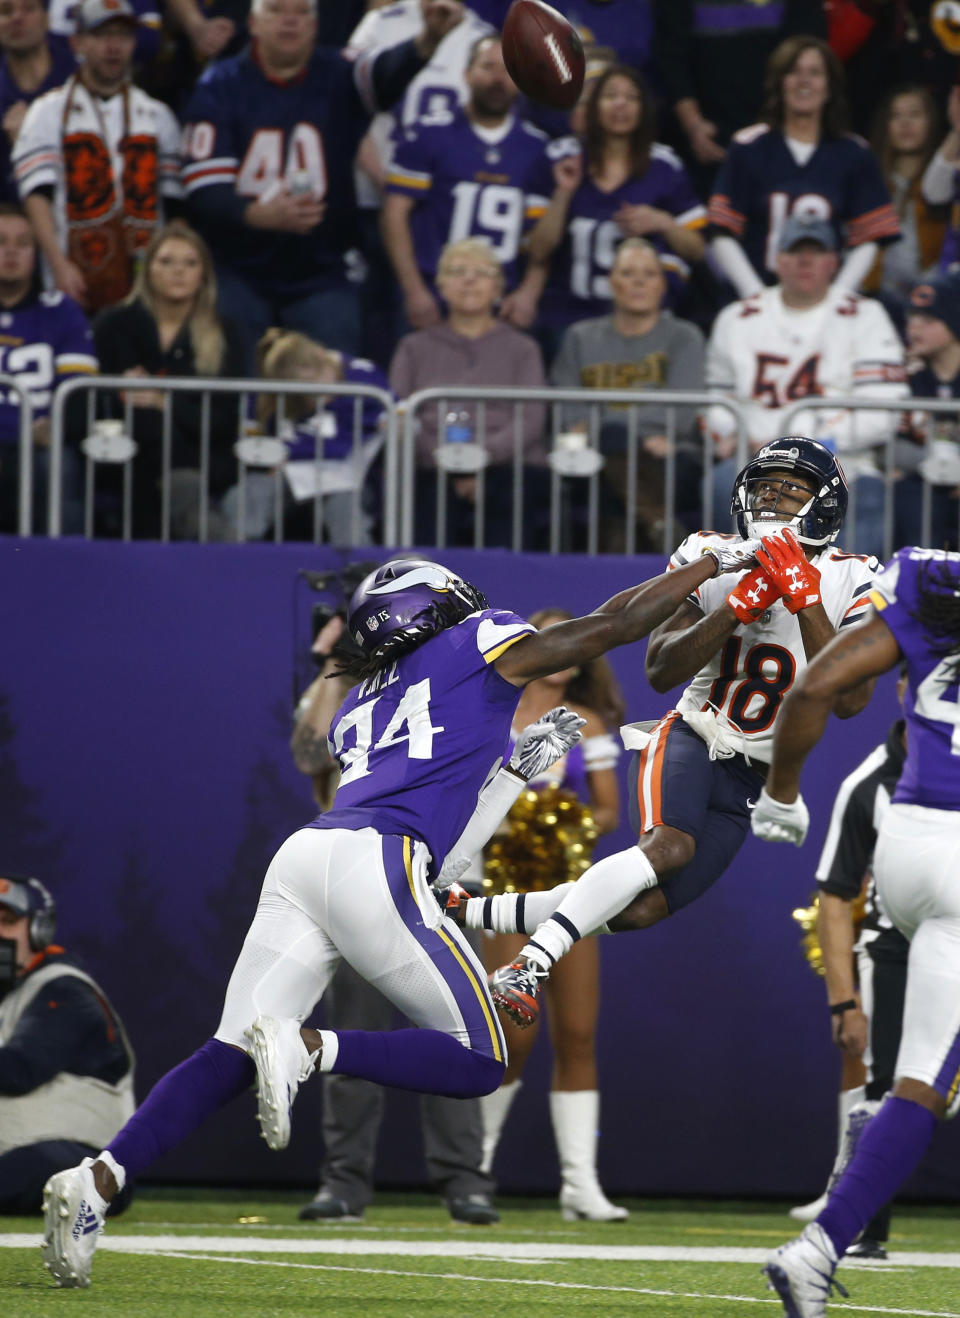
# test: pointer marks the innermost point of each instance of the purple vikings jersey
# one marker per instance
(416, 745)
(334, 423)
(760, 183)
(43, 342)
(467, 186)
(246, 134)
(931, 774)
(579, 282)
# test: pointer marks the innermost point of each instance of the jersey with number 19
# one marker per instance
(416, 745)
(747, 681)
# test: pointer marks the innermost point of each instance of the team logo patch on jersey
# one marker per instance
(88, 175)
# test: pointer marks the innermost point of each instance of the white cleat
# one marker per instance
(72, 1224)
(801, 1272)
(589, 1205)
(808, 1212)
(282, 1063)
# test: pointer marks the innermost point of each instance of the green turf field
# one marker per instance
(182, 1254)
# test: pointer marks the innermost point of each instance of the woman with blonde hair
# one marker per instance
(573, 990)
(168, 325)
(318, 431)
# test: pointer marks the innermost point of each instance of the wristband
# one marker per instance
(839, 1008)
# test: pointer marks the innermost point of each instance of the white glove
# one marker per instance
(734, 556)
(776, 821)
(542, 743)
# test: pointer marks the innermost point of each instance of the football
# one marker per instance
(543, 54)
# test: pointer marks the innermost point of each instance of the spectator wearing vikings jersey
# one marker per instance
(271, 138)
(637, 346)
(798, 161)
(472, 177)
(45, 339)
(930, 485)
(473, 347)
(697, 771)
(431, 100)
(96, 161)
(346, 441)
(808, 337)
(169, 326)
(33, 62)
(620, 183)
(916, 620)
(440, 674)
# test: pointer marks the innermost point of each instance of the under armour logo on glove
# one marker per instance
(798, 581)
(753, 595)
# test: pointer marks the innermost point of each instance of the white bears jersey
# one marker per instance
(737, 696)
(770, 357)
(438, 90)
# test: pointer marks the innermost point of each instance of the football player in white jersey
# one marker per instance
(698, 768)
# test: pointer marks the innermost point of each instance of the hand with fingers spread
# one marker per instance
(753, 595)
(782, 557)
(542, 743)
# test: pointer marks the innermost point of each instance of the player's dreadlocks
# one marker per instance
(360, 667)
(938, 611)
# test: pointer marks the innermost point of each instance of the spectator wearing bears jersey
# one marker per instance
(620, 183)
(808, 337)
(798, 160)
(45, 338)
(478, 176)
(97, 161)
(271, 138)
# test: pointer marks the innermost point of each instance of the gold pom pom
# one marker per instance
(548, 838)
(806, 918)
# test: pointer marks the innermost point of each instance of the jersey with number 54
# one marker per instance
(748, 680)
(416, 745)
(931, 774)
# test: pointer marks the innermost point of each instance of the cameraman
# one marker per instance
(352, 1109)
(66, 1066)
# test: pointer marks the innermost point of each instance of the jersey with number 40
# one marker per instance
(748, 680)
(931, 774)
(416, 745)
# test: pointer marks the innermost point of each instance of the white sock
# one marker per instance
(119, 1173)
(494, 1109)
(596, 897)
(515, 912)
(331, 1047)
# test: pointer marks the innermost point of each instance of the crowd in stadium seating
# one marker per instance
(316, 160)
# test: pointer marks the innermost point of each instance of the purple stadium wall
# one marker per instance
(145, 775)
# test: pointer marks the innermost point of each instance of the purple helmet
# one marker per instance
(406, 601)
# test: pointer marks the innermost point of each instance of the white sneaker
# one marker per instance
(589, 1204)
(807, 1212)
(801, 1272)
(282, 1063)
(72, 1224)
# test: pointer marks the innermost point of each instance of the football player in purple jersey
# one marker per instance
(419, 743)
(916, 619)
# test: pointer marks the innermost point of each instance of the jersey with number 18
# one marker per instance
(416, 745)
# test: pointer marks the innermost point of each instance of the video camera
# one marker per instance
(339, 585)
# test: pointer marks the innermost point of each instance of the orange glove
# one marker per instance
(797, 580)
(753, 595)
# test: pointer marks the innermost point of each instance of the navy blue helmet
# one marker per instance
(819, 520)
(406, 601)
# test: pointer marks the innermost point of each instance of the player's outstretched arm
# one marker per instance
(628, 616)
(851, 658)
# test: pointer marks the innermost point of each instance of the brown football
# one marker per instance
(543, 54)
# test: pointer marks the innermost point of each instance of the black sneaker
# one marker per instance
(328, 1208)
(867, 1249)
(476, 1209)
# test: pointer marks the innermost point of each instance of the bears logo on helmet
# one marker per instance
(819, 520)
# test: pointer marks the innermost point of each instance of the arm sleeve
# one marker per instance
(871, 216)
(411, 171)
(36, 152)
(857, 264)
(169, 162)
(879, 371)
(680, 199)
(938, 184)
(727, 208)
(74, 351)
(735, 264)
(212, 155)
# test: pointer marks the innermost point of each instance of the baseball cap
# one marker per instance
(939, 298)
(15, 893)
(91, 14)
(807, 228)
